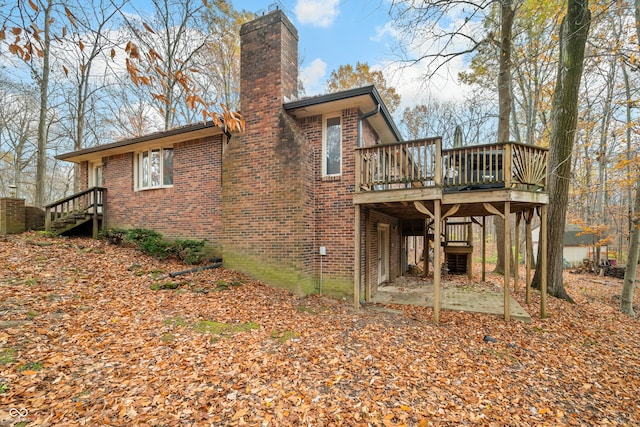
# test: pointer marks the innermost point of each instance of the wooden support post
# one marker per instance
(425, 248)
(516, 273)
(484, 248)
(507, 261)
(437, 264)
(543, 261)
(470, 256)
(356, 261)
(527, 218)
(367, 255)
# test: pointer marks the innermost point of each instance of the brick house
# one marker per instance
(264, 198)
(316, 194)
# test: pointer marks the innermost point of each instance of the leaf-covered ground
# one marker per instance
(85, 340)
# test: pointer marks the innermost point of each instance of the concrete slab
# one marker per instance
(455, 296)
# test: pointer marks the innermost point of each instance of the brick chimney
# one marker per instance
(267, 172)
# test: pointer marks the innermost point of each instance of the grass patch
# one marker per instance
(31, 315)
(284, 336)
(31, 366)
(167, 338)
(32, 281)
(175, 321)
(305, 309)
(3, 388)
(222, 285)
(164, 286)
(220, 328)
(8, 355)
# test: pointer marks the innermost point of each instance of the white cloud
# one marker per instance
(312, 77)
(319, 13)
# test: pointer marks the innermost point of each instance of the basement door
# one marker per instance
(383, 253)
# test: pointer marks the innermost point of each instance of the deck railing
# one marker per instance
(399, 165)
(422, 163)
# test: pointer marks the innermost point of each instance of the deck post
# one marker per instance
(527, 219)
(507, 259)
(356, 261)
(484, 248)
(425, 248)
(543, 261)
(470, 255)
(516, 244)
(437, 264)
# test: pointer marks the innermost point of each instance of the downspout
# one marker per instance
(366, 252)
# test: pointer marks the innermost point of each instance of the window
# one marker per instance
(154, 168)
(332, 147)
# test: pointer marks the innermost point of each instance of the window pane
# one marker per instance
(334, 146)
(155, 168)
(144, 166)
(167, 166)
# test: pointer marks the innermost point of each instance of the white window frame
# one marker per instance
(325, 119)
(138, 160)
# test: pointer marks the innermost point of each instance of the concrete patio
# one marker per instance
(457, 294)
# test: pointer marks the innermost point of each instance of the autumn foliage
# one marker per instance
(87, 339)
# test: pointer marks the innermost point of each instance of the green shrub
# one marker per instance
(189, 251)
(115, 236)
(152, 243)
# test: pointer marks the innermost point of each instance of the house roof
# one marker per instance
(171, 136)
(367, 99)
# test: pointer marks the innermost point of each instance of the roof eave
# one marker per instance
(331, 98)
(169, 137)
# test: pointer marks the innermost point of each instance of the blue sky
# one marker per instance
(339, 32)
(333, 33)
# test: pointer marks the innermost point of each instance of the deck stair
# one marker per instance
(76, 210)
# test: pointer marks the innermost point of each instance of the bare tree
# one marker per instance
(628, 286)
(573, 37)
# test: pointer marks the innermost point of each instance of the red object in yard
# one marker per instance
(613, 262)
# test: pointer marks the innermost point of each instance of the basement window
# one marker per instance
(153, 168)
(332, 147)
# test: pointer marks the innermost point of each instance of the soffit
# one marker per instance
(157, 139)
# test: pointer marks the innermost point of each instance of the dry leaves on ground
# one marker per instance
(84, 340)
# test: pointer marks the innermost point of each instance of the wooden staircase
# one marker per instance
(74, 211)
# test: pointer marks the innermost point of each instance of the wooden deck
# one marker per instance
(420, 183)
(391, 177)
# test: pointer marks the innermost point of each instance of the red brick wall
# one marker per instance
(11, 216)
(84, 175)
(189, 209)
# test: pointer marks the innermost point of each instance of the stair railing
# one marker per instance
(88, 202)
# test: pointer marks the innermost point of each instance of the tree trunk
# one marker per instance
(504, 105)
(564, 112)
(628, 285)
(41, 164)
